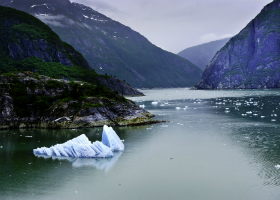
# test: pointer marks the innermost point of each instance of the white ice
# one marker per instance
(81, 147)
(111, 139)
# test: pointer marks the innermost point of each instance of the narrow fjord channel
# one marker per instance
(218, 145)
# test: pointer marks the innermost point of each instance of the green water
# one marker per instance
(208, 150)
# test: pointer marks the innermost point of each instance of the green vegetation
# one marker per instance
(26, 98)
(15, 25)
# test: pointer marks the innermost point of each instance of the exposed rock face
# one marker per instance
(201, 55)
(251, 59)
(110, 47)
(39, 48)
(35, 101)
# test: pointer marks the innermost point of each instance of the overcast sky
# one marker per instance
(177, 24)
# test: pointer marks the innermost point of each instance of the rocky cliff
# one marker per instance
(30, 100)
(251, 59)
(110, 47)
(201, 55)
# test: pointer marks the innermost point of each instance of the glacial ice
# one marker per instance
(111, 139)
(81, 147)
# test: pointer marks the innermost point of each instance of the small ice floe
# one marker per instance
(178, 108)
(227, 108)
(255, 114)
(28, 136)
(227, 111)
(273, 120)
(277, 166)
(142, 106)
(154, 103)
(262, 116)
(186, 106)
(164, 126)
(249, 112)
(162, 104)
(1, 147)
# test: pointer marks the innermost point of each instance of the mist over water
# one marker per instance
(218, 145)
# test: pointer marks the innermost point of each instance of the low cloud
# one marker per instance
(212, 37)
(55, 20)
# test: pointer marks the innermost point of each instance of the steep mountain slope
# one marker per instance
(251, 59)
(201, 55)
(30, 45)
(110, 47)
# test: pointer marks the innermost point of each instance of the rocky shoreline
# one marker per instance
(36, 101)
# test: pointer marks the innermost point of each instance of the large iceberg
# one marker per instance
(81, 147)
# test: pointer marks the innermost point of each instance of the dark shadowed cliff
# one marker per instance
(251, 59)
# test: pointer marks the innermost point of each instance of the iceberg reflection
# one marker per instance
(99, 163)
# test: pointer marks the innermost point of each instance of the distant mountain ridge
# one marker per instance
(202, 54)
(110, 47)
(251, 59)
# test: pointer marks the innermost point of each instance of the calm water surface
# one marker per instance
(223, 146)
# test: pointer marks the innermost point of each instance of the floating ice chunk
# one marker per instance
(273, 120)
(79, 147)
(262, 116)
(277, 166)
(111, 139)
(177, 108)
(249, 112)
(142, 106)
(164, 126)
(154, 103)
